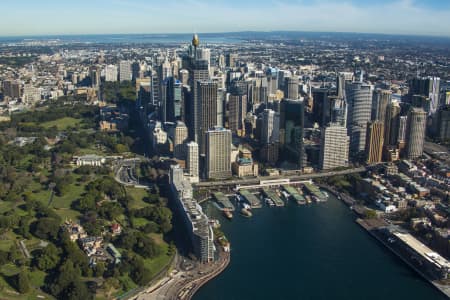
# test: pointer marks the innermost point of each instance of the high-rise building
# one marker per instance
(374, 142)
(31, 94)
(12, 89)
(183, 75)
(237, 109)
(180, 139)
(428, 87)
(359, 100)
(192, 163)
(335, 147)
(230, 60)
(172, 100)
(94, 74)
(198, 71)
(415, 136)
(291, 88)
(270, 127)
(218, 153)
(292, 123)
(402, 125)
(125, 70)
(321, 106)
(443, 120)
(111, 73)
(380, 101)
(392, 124)
(207, 101)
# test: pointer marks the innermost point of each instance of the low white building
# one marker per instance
(90, 160)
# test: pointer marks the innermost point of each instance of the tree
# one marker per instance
(48, 258)
(22, 281)
(46, 228)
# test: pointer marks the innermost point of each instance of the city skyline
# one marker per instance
(48, 17)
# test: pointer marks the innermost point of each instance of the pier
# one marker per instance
(251, 199)
(314, 191)
(272, 195)
(224, 202)
(294, 194)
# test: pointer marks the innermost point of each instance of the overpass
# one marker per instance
(259, 179)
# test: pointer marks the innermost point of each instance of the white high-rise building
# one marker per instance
(359, 100)
(335, 147)
(111, 73)
(125, 70)
(270, 127)
(192, 165)
(218, 153)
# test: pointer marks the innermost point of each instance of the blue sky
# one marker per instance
(41, 17)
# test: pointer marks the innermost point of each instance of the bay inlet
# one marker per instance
(315, 251)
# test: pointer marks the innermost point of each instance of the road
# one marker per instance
(182, 284)
(233, 182)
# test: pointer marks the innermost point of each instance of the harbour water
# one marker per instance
(315, 252)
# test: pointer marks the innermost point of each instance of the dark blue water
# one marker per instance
(310, 252)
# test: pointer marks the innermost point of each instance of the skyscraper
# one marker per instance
(402, 125)
(198, 72)
(172, 100)
(218, 153)
(392, 124)
(94, 74)
(125, 70)
(380, 101)
(322, 106)
(180, 139)
(270, 127)
(415, 136)
(374, 142)
(428, 87)
(443, 120)
(192, 164)
(292, 121)
(291, 88)
(335, 144)
(207, 102)
(359, 100)
(237, 109)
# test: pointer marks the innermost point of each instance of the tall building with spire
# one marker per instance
(198, 72)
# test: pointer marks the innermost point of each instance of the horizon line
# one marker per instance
(227, 32)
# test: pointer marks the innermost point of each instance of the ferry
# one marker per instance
(270, 202)
(285, 195)
(246, 212)
(308, 199)
(228, 214)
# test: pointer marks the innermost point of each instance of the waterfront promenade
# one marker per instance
(183, 285)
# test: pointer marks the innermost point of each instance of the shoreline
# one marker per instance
(445, 290)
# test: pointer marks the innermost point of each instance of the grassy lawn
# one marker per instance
(139, 222)
(62, 124)
(138, 195)
(8, 292)
(7, 240)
